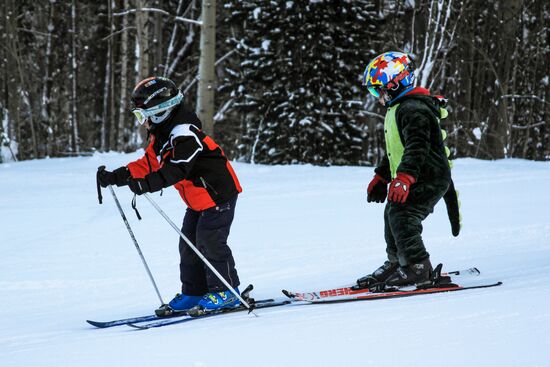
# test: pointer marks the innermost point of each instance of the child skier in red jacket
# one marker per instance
(180, 154)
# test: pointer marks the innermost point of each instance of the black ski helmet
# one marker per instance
(154, 98)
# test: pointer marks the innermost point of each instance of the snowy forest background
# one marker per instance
(289, 74)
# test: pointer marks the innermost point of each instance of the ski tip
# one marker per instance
(288, 294)
(138, 327)
(96, 324)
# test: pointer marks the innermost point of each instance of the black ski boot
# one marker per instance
(413, 274)
(378, 276)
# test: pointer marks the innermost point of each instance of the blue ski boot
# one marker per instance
(215, 301)
(181, 303)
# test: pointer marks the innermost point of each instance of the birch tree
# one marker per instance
(75, 143)
(107, 77)
(47, 84)
(438, 36)
(205, 93)
(122, 112)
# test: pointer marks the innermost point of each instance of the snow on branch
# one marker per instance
(172, 43)
(527, 96)
(155, 10)
(372, 114)
(434, 39)
(518, 127)
(221, 112)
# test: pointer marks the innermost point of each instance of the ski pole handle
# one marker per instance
(99, 196)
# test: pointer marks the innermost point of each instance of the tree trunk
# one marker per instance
(5, 119)
(47, 83)
(123, 83)
(497, 137)
(13, 48)
(142, 56)
(107, 80)
(142, 53)
(205, 95)
(157, 40)
(75, 139)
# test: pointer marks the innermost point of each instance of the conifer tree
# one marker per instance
(297, 88)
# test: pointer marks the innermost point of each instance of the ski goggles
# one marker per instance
(375, 91)
(379, 91)
(142, 114)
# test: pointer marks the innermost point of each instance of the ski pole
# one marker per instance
(201, 256)
(132, 236)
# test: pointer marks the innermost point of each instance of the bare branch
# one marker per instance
(36, 33)
(220, 60)
(527, 96)
(172, 42)
(186, 20)
(155, 10)
(116, 33)
(518, 127)
(372, 114)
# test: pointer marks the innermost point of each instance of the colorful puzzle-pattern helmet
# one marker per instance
(390, 72)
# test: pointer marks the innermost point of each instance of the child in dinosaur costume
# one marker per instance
(415, 166)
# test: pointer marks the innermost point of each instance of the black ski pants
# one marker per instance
(403, 222)
(208, 231)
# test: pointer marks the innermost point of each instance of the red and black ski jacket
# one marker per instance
(182, 155)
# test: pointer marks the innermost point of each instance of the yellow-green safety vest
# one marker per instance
(394, 145)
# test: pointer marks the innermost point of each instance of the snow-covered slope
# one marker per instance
(65, 259)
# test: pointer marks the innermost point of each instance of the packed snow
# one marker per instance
(64, 259)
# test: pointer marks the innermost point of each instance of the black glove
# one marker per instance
(377, 190)
(118, 177)
(139, 185)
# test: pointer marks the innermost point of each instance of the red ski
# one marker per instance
(367, 295)
(352, 292)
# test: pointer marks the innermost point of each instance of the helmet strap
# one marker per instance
(402, 92)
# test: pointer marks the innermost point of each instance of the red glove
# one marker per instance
(400, 188)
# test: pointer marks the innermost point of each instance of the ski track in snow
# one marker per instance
(65, 259)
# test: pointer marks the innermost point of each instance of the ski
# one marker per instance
(341, 294)
(398, 293)
(107, 324)
(337, 299)
(352, 290)
(156, 317)
(257, 305)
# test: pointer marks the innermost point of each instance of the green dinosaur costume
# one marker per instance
(414, 145)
